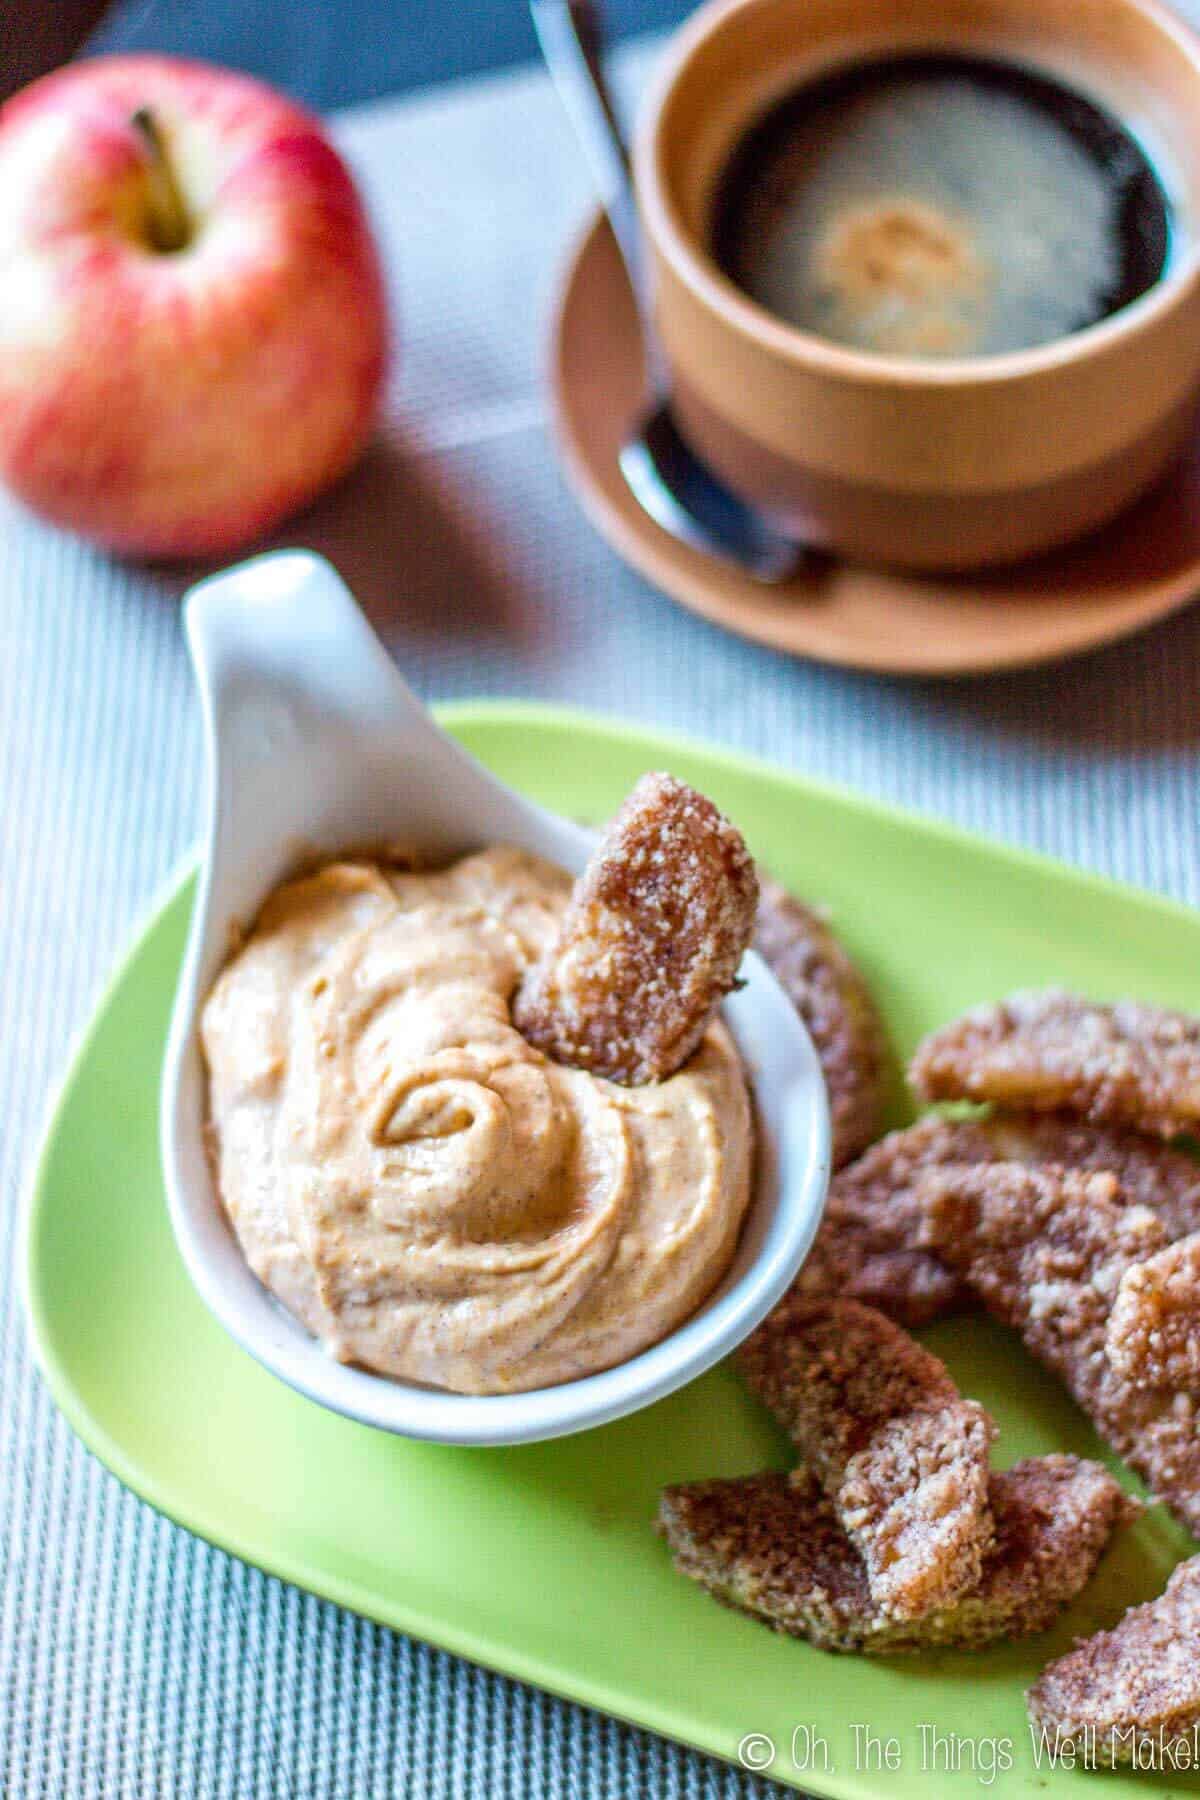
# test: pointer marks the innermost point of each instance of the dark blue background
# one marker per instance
(334, 52)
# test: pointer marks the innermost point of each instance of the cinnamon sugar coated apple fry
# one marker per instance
(1138, 1684)
(1150, 1172)
(770, 1545)
(1153, 1334)
(1045, 1249)
(835, 1003)
(879, 1422)
(868, 1247)
(1125, 1064)
(650, 941)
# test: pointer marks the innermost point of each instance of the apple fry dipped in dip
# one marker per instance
(650, 942)
(425, 1190)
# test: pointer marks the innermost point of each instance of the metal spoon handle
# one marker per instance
(571, 34)
(668, 480)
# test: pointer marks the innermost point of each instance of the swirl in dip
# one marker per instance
(424, 1191)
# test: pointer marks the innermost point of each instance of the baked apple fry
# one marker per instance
(835, 1003)
(1125, 1064)
(869, 1244)
(1150, 1172)
(770, 1545)
(1138, 1682)
(1154, 1328)
(650, 941)
(1046, 1249)
(879, 1422)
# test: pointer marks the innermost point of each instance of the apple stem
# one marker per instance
(170, 226)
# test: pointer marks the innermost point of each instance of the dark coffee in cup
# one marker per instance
(941, 206)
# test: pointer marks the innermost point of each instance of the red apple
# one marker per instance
(192, 321)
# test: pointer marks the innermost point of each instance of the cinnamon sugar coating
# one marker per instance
(831, 996)
(650, 941)
(1150, 1172)
(869, 1248)
(770, 1545)
(879, 1422)
(1046, 1249)
(1138, 1682)
(1154, 1328)
(1125, 1064)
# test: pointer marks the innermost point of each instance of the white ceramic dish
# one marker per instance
(314, 744)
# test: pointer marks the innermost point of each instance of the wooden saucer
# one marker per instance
(1143, 566)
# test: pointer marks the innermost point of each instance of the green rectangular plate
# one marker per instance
(541, 1561)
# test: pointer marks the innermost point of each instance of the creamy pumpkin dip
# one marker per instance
(424, 1191)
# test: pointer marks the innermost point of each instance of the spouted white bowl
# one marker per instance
(315, 744)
